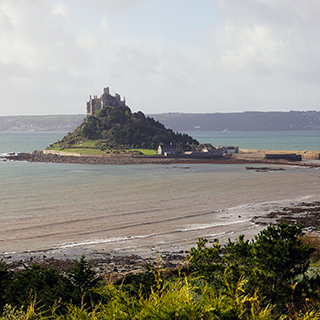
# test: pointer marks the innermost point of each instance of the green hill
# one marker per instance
(115, 127)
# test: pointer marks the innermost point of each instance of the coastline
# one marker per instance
(244, 157)
(115, 263)
(108, 261)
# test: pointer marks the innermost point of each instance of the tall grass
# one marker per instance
(184, 298)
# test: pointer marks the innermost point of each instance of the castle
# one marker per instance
(106, 99)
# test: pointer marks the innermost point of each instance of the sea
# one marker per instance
(147, 208)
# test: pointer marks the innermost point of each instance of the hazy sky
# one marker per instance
(197, 56)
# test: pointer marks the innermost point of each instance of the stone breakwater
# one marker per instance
(123, 158)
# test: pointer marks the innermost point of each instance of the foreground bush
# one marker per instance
(175, 300)
(49, 287)
(181, 299)
(274, 263)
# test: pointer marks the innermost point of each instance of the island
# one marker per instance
(112, 134)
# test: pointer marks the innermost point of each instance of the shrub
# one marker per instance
(271, 262)
(43, 284)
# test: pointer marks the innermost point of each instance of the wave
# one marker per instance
(104, 240)
(196, 227)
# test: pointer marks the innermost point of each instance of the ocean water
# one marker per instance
(134, 208)
(269, 140)
(17, 141)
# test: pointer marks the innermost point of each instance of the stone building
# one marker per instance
(205, 147)
(166, 149)
(229, 149)
(106, 99)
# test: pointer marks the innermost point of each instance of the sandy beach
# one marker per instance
(117, 263)
(124, 257)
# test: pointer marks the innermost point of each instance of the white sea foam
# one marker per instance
(195, 227)
(100, 241)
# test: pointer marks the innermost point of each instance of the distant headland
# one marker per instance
(182, 122)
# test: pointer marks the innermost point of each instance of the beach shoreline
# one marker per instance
(119, 262)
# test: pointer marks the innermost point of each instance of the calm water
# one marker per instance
(27, 141)
(305, 140)
(135, 207)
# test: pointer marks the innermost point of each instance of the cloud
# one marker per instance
(279, 38)
(244, 55)
(41, 59)
(61, 9)
(167, 66)
(104, 24)
(34, 35)
(114, 6)
(249, 49)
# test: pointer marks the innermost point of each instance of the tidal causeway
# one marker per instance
(310, 158)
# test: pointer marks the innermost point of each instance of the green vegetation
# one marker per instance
(93, 150)
(117, 128)
(78, 150)
(266, 278)
(146, 152)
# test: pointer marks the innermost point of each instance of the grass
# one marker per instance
(83, 150)
(146, 152)
(181, 299)
(87, 144)
(88, 148)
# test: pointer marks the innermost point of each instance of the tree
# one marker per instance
(271, 262)
(46, 285)
(275, 259)
(83, 279)
(5, 279)
(125, 129)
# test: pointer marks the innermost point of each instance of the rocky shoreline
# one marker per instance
(122, 158)
(105, 264)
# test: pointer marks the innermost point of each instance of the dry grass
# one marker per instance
(314, 241)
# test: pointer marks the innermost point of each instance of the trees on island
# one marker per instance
(115, 127)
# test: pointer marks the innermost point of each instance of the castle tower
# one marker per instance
(106, 99)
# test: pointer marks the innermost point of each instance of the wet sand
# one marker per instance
(117, 263)
(108, 260)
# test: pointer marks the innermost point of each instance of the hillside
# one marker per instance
(245, 121)
(41, 123)
(115, 127)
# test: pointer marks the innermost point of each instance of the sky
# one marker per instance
(189, 56)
